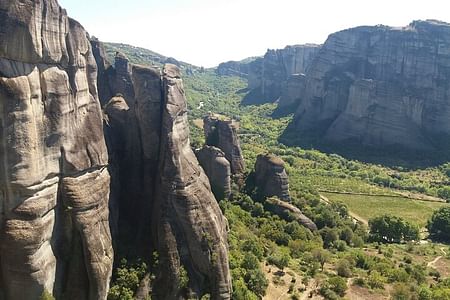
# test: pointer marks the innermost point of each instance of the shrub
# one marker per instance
(375, 280)
(343, 268)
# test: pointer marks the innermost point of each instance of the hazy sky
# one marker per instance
(207, 32)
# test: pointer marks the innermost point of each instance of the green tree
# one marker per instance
(390, 229)
(439, 224)
(321, 256)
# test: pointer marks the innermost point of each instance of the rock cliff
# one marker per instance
(380, 86)
(164, 199)
(267, 76)
(218, 170)
(58, 200)
(54, 226)
(221, 132)
(270, 177)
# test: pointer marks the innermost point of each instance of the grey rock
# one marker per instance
(271, 178)
(288, 211)
(381, 87)
(218, 170)
(221, 132)
(54, 210)
(163, 195)
(268, 75)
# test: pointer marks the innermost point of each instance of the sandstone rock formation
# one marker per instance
(287, 210)
(380, 86)
(234, 68)
(190, 228)
(163, 196)
(267, 76)
(54, 209)
(221, 132)
(270, 177)
(218, 170)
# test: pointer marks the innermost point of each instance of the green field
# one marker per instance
(368, 207)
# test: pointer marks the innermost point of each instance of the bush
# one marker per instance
(343, 268)
(375, 280)
(439, 224)
(401, 291)
(336, 284)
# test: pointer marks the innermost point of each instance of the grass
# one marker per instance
(371, 206)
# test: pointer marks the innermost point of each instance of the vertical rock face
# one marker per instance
(233, 68)
(54, 183)
(163, 197)
(218, 170)
(270, 177)
(380, 86)
(222, 133)
(190, 228)
(267, 76)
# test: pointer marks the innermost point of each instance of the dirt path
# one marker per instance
(431, 263)
(352, 214)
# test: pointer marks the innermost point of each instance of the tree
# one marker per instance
(439, 224)
(329, 236)
(392, 229)
(321, 256)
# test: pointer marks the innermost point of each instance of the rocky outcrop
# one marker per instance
(163, 196)
(218, 170)
(290, 97)
(190, 228)
(289, 211)
(234, 68)
(267, 76)
(270, 177)
(380, 87)
(221, 132)
(54, 183)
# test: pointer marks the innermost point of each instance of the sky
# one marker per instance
(208, 32)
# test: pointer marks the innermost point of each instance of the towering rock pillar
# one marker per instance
(54, 186)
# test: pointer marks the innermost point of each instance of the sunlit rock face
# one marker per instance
(218, 170)
(221, 132)
(380, 86)
(271, 178)
(54, 184)
(268, 76)
(162, 200)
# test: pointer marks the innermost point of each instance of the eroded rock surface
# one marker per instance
(380, 86)
(218, 170)
(289, 211)
(190, 228)
(163, 196)
(54, 207)
(268, 76)
(271, 178)
(221, 132)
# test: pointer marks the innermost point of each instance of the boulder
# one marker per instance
(288, 211)
(270, 177)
